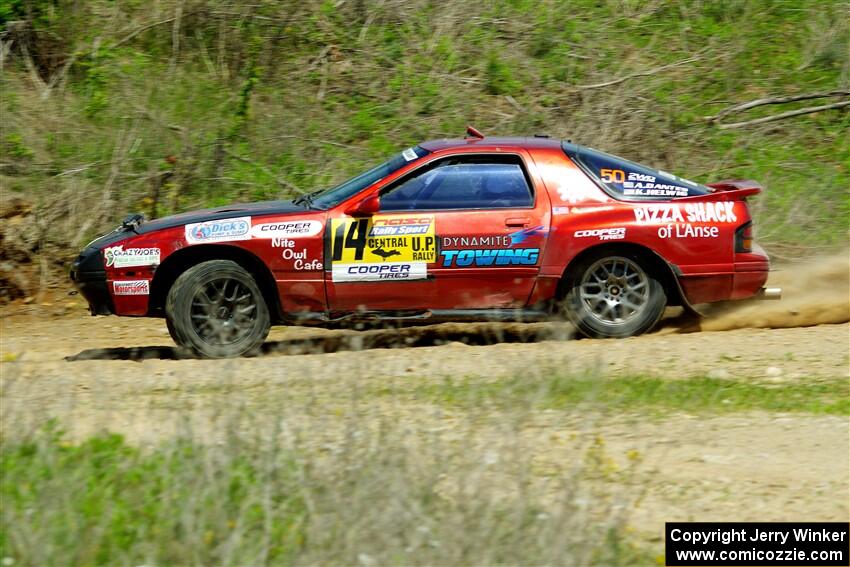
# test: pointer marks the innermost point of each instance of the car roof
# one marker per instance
(491, 143)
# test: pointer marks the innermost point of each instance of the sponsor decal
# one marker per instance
(560, 210)
(519, 236)
(395, 226)
(286, 229)
(693, 212)
(687, 230)
(490, 257)
(223, 230)
(402, 239)
(602, 233)
(117, 257)
(385, 271)
(460, 242)
(298, 258)
(481, 251)
(409, 154)
(131, 287)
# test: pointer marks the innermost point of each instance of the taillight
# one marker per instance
(744, 237)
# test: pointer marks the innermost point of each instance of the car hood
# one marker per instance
(227, 211)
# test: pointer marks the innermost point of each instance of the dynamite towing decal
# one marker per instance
(506, 255)
(382, 248)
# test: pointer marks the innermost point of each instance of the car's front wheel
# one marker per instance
(216, 310)
(614, 296)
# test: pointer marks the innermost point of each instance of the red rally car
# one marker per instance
(471, 229)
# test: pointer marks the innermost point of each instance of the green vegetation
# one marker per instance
(247, 502)
(642, 393)
(110, 107)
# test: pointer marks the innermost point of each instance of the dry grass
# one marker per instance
(382, 494)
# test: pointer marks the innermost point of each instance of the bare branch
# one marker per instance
(646, 73)
(270, 173)
(789, 114)
(315, 140)
(175, 38)
(34, 76)
(5, 49)
(137, 31)
(774, 100)
(58, 78)
(119, 154)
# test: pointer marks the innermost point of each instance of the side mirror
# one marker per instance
(365, 208)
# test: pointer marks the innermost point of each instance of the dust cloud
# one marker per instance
(815, 291)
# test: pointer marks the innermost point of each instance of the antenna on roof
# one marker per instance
(472, 132)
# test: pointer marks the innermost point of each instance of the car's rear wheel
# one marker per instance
(614, 295)
(216, 310)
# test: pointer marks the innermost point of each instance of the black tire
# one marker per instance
(216, 310)
(614, 295)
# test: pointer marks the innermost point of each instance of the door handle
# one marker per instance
(518, 221)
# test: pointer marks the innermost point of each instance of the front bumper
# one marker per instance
(89, 276)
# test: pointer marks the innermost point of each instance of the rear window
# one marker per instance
(626, 179)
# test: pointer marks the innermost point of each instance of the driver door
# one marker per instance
(465, 231)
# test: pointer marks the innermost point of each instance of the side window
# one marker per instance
(482, 183)
(632, 180)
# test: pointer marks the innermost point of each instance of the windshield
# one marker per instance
(340, 193)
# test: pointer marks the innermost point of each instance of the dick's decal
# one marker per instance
(223, 230)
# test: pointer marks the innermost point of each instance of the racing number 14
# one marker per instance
(358, 241)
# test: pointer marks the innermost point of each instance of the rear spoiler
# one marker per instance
(737, 187)
(728, 190)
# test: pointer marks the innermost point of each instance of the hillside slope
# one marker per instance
(110, 107)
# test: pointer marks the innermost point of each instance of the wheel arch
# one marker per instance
(183, 259)
(658, 266)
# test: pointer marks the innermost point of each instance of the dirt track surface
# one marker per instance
(123, 375)
(334, 388)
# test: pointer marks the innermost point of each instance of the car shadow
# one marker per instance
(473, 334)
